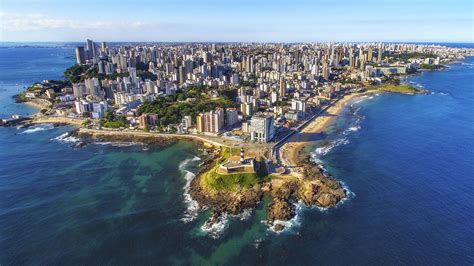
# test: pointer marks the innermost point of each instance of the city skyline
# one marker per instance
(224, 21)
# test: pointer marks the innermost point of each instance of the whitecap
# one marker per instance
(66, 138)
(245, 215)
(38, 128)
(439, 93)
(354, 128)
(290, 225)
(192, 206)
(215, 229)
(358, 101)
(321, 151)
(118, 143)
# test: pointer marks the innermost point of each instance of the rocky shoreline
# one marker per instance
(220, 202)
(316, 189)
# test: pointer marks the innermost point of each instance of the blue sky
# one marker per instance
(226, 20)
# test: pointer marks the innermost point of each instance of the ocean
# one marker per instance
(408, 160)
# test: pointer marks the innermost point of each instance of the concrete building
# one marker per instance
(80, 55)
(210, 122)
(231, 116)
(246, 109)
(186, 122)
(262, 128)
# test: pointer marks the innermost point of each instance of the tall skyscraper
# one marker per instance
(282, 89)
(104, 47)
(369, 54)
(380, 54)
(91, 49)
(80, 55)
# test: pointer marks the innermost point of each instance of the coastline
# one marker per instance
(38, 104)
(292, 152)
(135, 136)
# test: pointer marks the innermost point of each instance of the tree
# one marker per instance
(86, 115)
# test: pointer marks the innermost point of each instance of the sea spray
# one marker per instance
(291, 225)
(66, 137)
(192, 206)
(216, 227)
(38, 128)
(119, 143)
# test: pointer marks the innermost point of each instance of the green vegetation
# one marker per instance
(113, 121)
(231, 182)
(171, 109)
(399, 88)
(406, 56)
(431, 67)
(281, 103)
(20, 98)
(79, 73)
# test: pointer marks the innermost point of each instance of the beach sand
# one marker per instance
(292, 152)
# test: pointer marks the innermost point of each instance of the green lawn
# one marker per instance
(400, 88)
(230, 182)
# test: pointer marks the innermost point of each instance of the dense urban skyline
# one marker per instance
(300, 21)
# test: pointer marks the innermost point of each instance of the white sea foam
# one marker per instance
(358, 101)
(192, 206)
(354, 128)
(321, 151)
(66, 138)
(439, 93)
(290, 225)
(245, 215)
(38, 128)
(215, 229)
(119, 144)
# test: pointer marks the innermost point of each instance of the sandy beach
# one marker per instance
(38, 104)
(292, 152)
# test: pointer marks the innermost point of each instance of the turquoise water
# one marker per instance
(408, 160)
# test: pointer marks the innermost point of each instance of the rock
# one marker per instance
(280, 209)
(326, 200)
(278, 227)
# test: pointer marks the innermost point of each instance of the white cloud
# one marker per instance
(30, 22)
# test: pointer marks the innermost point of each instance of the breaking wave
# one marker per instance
(119, 144)
(216, 228)
(439, 93)
(38, 128)
(192, 206)
(291, 225)
(321, 151)
(66, 138)
(416, 85)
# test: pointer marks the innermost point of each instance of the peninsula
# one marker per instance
(255, 107)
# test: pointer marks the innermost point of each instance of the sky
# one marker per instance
(237, 20)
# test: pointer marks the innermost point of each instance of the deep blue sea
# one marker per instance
(409, 161)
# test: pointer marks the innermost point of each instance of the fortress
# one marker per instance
(238, 164)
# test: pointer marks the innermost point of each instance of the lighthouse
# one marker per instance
(242, 155)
